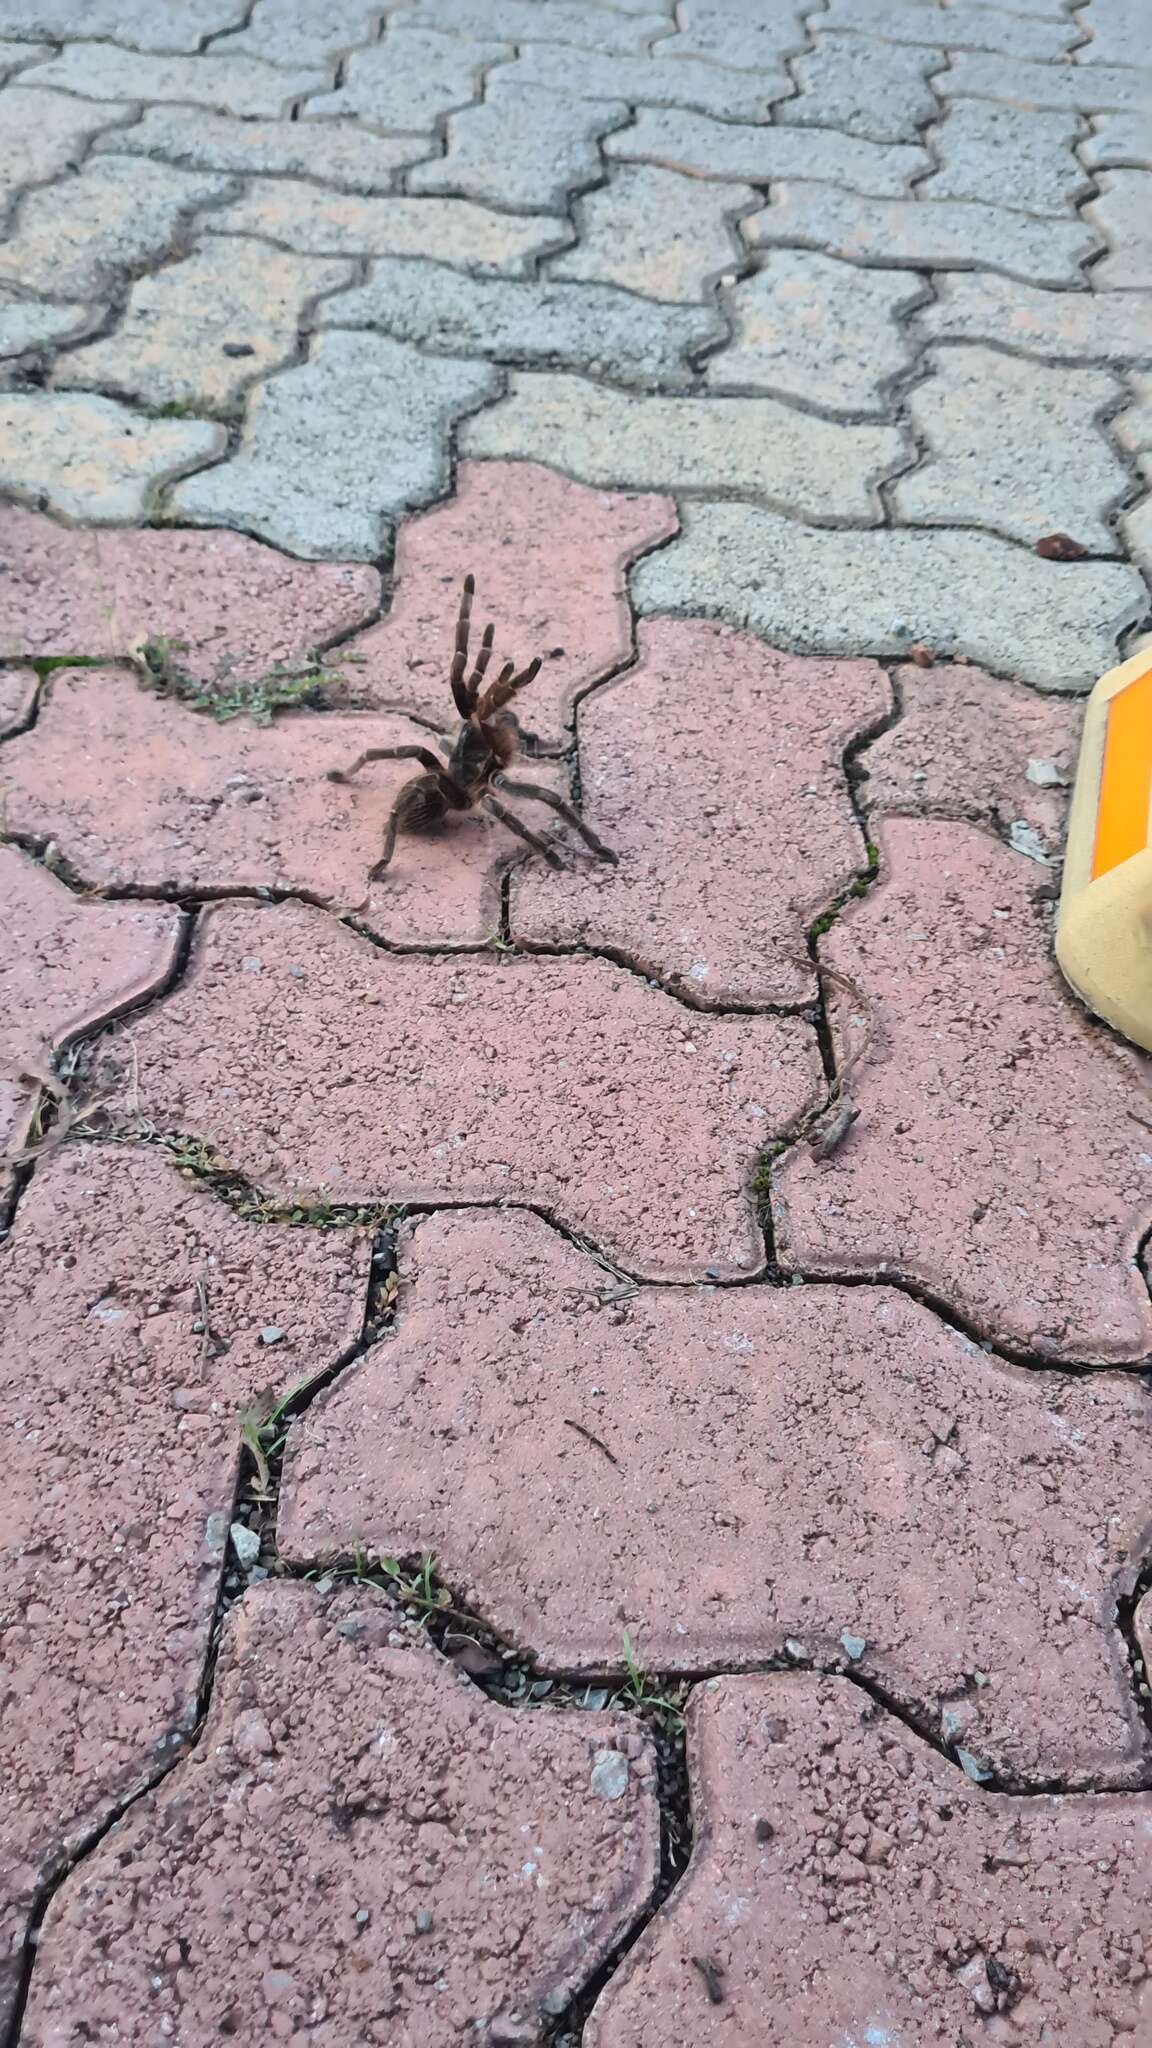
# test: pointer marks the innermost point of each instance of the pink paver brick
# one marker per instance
(969, 1516)
(231, 599)
(849, 1886)
(66, 964)
(970, 745)
(119, 1456)
(362, 1849)
(142, 792)
(550, 559)
(997, 1162)
(311, 1059)
(18, 688)
(715, 770)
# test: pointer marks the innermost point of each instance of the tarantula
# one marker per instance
(484, 748)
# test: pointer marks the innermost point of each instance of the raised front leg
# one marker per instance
(424, 755)
(557, 803)
(522, 831)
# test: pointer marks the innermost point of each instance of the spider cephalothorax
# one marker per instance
(484, 748)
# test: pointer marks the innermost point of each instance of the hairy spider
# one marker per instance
(484, 748)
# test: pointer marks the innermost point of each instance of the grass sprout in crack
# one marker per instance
(311, 685)
(486, 744)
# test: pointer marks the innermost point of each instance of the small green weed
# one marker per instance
(637, 1688)
(224, 696)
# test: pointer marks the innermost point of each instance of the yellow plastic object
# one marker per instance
(1104, 931)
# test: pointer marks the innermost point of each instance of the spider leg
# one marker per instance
(460, 656)
(482, 660)
(522, 831)
(420, 803)
(540, 795)
(424, 755)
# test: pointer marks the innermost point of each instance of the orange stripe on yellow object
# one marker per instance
(1122, 812)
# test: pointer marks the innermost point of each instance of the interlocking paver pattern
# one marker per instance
(945, 234)
(657, 233)
(473, 1875)
(775, 1213)
(1054, 624)
(754, 447)
(953, 1489)
(704, 148)
(686, 903)
(227, 604)
(198, 333)
(596, 328)
(806, 326)
(111, 1568)
(977, 414)
(655, 1166)
(335, 447)
(971, 1179)
(879, 1893)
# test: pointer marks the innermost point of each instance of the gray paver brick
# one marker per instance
(333, 449)
(1123, 214)
(1015, 446)
(80, 237)
(1069, 327)
(176, 343)
(29, 324)
(690, 82)
(919, 234)
(657, 233)
(90, 459)
(1133, 430)
(521, 147)
(235, 85)
(524, 21)
(595, 328)
(810, 327)
(298, 32)
(703, 148)
(1090, 88)
(1050, 623)
(755, 446)
(45, 134)
(410, 80)
(1002, 154)
(873, 89)
(138, 24)
(1118, 139)
(1118, 30)
(749, 35)
(346, 157)
(958, 27)
(16, 57)
(455, 231)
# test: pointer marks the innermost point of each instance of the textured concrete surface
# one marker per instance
(91, 458)
(704, 148)
(441, 1864)
(339, 445)
(949, 234)
(115, 1399)
(686, 903)
(591, 327)
(197, 334)
(657, 233)
(303, 1080)
(879, 1893)
(977, 413)
(969, 744)
(551, 559)
(227, 605)
(943, 1515)
(805, 326)
(845, 593)
(752, 447)
(68, 965)
(976, 1181)
(775, 1212)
